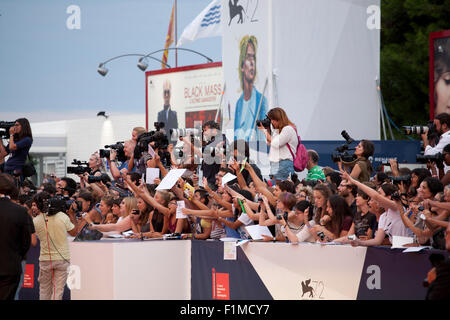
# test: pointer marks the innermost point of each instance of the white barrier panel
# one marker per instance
(135, 270)
(307, 271)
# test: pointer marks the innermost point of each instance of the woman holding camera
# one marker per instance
(283, 144)
(361, 167)
(20, 141)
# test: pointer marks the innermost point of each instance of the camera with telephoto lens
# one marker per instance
(416, 129)
(429, 129)
(341, 153)
(265, 122)
(4, 129)
(437, 158)
(119, 147)
(81, 167)
(102, 178)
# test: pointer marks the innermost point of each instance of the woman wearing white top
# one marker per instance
(284, 137)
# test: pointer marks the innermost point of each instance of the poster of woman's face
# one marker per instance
(440, 93)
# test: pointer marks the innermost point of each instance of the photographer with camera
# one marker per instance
(122, 153)
(66, 187)
(283, 143)
(213, 154)
(95, 164)
(361, 168)
(442, 127)
(20, 141)
(52, 226)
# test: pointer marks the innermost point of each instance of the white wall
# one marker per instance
(85, 136)
(326, 61)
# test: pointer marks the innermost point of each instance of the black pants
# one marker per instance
(8, 286)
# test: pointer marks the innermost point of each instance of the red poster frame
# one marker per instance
(172, 70)
(432, 37)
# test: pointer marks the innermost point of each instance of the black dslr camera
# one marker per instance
(4, 129)
(341, 153)
(81, 167)
(265, 122)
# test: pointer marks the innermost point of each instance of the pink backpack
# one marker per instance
(301, 156)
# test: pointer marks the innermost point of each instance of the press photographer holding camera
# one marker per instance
(118, 157)
(283, 143)
(213, 150)
(52, 226)
(442, 127)
(20, 141)
(361, 167)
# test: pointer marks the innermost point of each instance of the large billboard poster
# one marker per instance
(439, 72)
(180, 96)
(246, 49)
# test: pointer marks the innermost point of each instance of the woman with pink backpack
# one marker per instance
(286, 154)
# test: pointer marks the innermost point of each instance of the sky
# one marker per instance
(48, 71)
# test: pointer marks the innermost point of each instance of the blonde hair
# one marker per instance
(243, 45)
(130, 204)
(139, 130)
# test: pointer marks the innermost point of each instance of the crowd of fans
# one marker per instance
(354, 205)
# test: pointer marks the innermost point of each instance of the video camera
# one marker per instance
(81, 167)
(4, 129)
(161, 143)
(118, 147)
(57, 204)
(341, 153)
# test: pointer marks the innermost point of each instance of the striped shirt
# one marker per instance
(315, 173)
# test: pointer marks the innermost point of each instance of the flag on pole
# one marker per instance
(169, 37)
(206, 24)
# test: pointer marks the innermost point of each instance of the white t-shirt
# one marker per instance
(439, 148)
(392, 225)
(278, 146)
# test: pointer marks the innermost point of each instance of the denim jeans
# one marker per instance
(281, 170)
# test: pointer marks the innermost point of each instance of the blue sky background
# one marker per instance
(48, 72)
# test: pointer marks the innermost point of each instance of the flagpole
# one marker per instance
(176, 34)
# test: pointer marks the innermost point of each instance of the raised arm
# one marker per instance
(383, 201)
(260, 185)
(216, 197)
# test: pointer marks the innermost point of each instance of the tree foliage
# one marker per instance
(404, 58)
